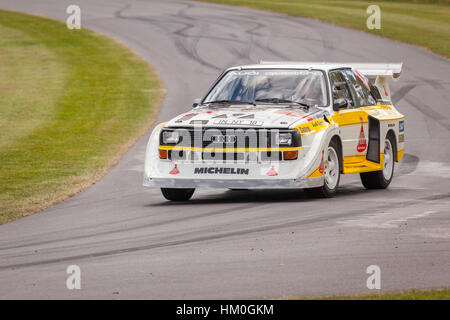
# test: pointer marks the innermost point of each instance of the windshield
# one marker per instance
(271, 86)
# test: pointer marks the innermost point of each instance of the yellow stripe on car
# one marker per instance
(317, 173)
(359, 163)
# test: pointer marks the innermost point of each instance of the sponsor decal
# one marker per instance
(401, 138)
(322, 164)
(221, 170)
(245, 73)
(401, 126)
(362, 143)
(305, 129)
(272, 172)
(317, 123)
(175, 170)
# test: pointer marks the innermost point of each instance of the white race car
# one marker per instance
(282, 125)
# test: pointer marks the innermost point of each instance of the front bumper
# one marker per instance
(234, 184)
(286, 174)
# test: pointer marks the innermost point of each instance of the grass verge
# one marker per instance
(423, 23)
(71, 103)
(434, 294)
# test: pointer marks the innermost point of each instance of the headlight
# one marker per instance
(285, 138)
(170, 137)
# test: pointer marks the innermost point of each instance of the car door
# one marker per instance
(353, 121)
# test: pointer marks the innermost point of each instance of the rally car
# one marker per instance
(282, 125)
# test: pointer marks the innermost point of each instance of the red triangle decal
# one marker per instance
(272, 172)
(174, 170)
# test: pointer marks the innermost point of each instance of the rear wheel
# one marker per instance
(381, 179)
(331, 175)
(175, 194)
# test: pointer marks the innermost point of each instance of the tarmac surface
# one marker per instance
(130, 243)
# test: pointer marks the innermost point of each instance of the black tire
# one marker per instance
(376, 179)
(325, 191)
(174, 194)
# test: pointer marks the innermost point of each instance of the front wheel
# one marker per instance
(176, 194)
(331, 175)
(381, 179)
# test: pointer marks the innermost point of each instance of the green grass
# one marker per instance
(71, 103)
(422, 23)
(435, 294)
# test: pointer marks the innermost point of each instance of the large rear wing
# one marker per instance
(373, 70)
(379, 75)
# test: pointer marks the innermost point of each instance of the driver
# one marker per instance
(263, 87)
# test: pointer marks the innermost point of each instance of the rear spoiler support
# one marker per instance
(379, 74)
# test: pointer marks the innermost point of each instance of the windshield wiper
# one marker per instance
(307, 106)
(230, 102)
(278, 100)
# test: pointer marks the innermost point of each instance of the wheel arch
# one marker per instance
(338, 141)
(151, 152)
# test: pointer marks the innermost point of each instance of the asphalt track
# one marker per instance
(131, 243)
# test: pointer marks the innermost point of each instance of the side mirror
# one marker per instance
(196, 102)
(339, 104)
